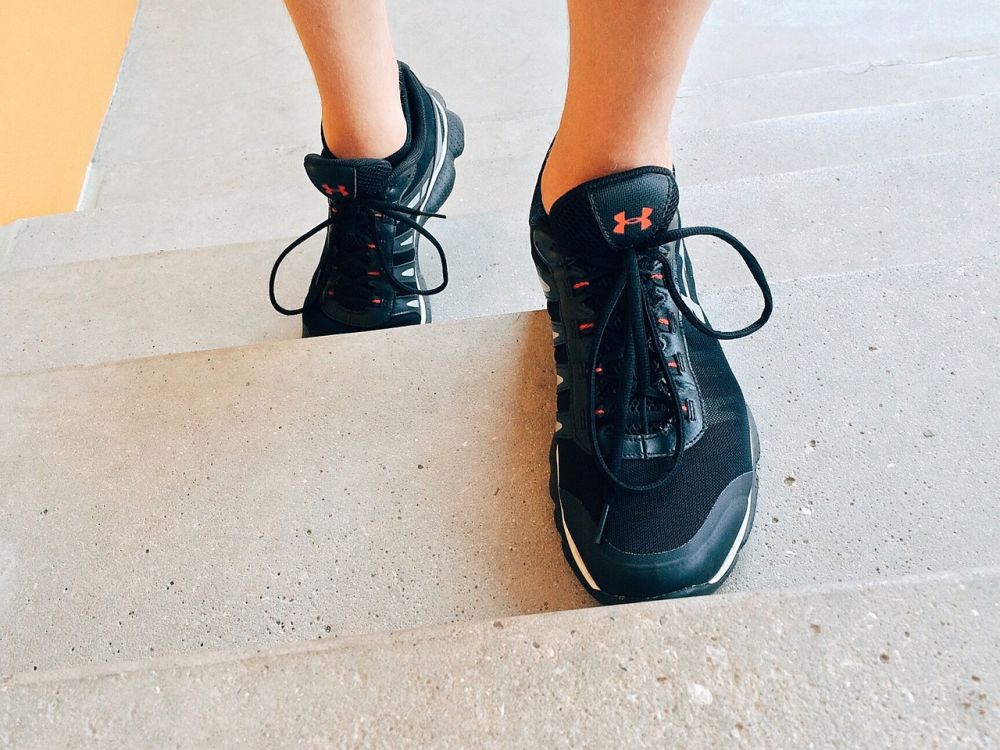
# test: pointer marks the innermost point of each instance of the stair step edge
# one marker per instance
(506, 680)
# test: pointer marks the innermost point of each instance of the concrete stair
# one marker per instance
(500, 168)
(894, 664)
(215, 533)
(175, 301)
(199, 75)
(329, 510)
(290, 205)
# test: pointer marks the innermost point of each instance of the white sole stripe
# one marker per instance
(731, 557)
(569, 537)
(442, 149)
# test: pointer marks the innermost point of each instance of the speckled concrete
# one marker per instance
(241, 499)
(194, 80)
(904, 665)
(502, 157)
(274, 201)
(277, 493)
(6, 235)
(159, 511)
(799, 224)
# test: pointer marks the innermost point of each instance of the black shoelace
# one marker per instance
(353, 242)
(634, 371)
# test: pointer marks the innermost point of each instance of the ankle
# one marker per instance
(569, 165)
(376, 138)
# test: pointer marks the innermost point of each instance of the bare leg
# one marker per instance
(350, 50)
(625, 65)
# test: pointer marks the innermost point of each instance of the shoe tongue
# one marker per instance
(617, 211)
(348, 178)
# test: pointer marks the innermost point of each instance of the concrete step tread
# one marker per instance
(899, 663)
(249, 497)
(183, 54)
(781, 141)
(803, 224)
(278, 202)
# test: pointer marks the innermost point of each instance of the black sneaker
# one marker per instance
(655, 452)
(369, 274)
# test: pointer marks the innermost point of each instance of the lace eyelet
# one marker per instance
(688, 408)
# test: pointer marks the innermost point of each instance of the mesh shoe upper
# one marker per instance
(651, 423)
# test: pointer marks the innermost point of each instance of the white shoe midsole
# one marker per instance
(441, 117)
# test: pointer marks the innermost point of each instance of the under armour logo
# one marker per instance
(642, 220)
(339, 189)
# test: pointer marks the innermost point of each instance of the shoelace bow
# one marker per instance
(344, 222)
(634, 369)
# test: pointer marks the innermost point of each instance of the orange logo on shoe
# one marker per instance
(642, 220)
(340, 189)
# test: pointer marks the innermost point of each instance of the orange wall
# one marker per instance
(58, 64)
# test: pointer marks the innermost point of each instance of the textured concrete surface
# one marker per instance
(497, 173)
(6, 234)
(252, 498)
(191, 69)
(284, 491)
(710, 107)
(872, 83)
(275, 200)
(799, 224)
(904, 664)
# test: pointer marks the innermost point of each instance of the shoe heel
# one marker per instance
(456, 128)
(456, 135)
(455, 146)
